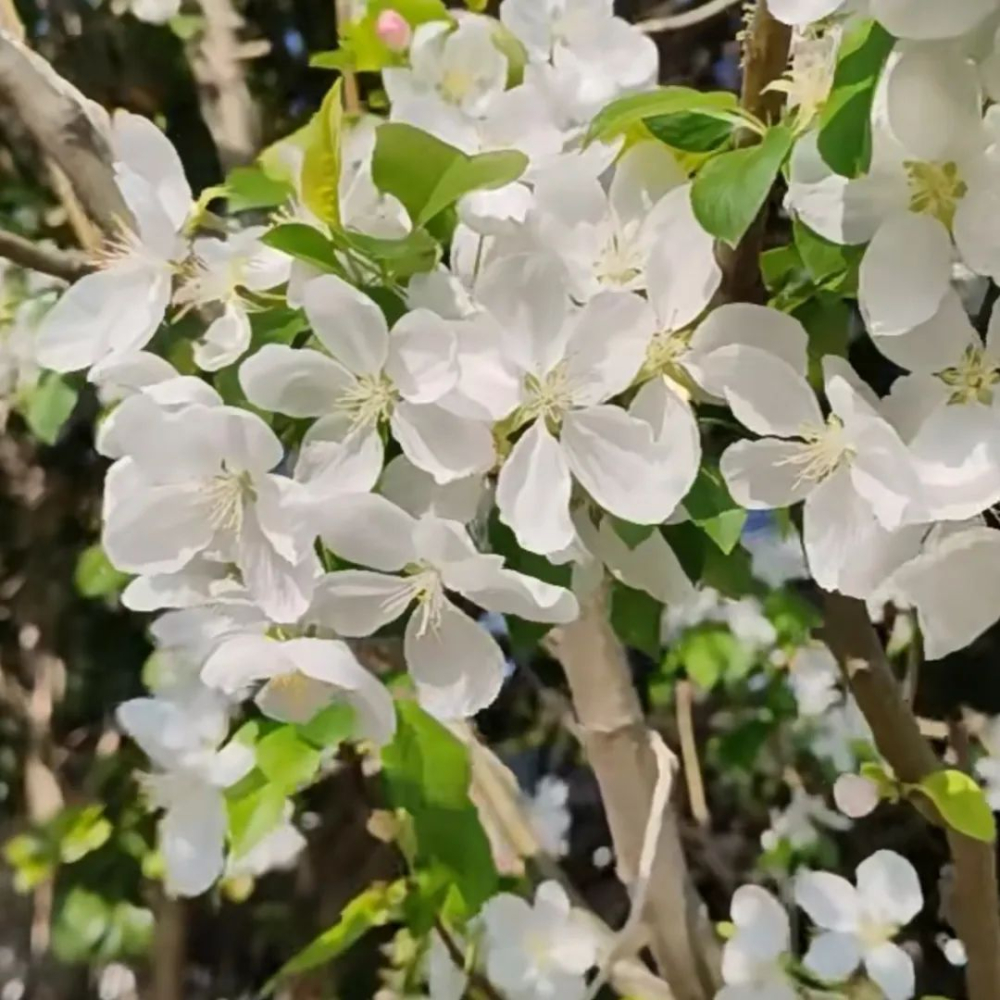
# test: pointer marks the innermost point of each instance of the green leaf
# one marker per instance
(830, 265)
(845, 126)
(375, 907)
(712, 653)
(427, 175)
(321, 162)
(49, 407)
(304, 243)
(415, 253)
(961, 803)
(286, 759)
(731, 189)
(633, 535)
(94, 575)
(329, 727)
(248, 188)
(693, 131)
(626, 112)
(710, 506)
(87, 831)
(427, 773)
(255, 807)
(635, 617)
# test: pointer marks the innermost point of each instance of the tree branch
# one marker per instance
(854, 642)
(68, 132)
(65, 264)
(615, 738)
(687, 18)
(766, 44)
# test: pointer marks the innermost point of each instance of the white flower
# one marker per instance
(445, 980)
(570, 370)
(954, 584)
(456, 665)
(851, 468)
(814, 678)
(182, 739)
(221, 268)
(776, 553)
(803, 12)
(549, 815)
(752, 960)
(835, 735)
(155, 11)
(459, 66)
(303, 677)
(118, 308)
(800, 823)
(855, 795)
(858, 924)
(910, 19)
(276, 851)
(369, 378)
(538, 951)
(196, 480)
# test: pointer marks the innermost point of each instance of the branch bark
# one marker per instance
(226, 102)
(66, 130)
(614, 735)
(850, 635)
(766, 44)
(64, 264)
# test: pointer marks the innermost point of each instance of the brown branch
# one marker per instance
(614, 736)
(65, 264)
(766, 43)
(68, 134)
(976, 916)
(169, 951)
(226, 102)
(684, 699)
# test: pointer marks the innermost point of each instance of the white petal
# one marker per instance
(600, 366)
(975, 227)
(646, 173)
(830, 901)
(238, 662)
(905, 274)
(935, 344)
(368, 530)
(348, 323)
(764, 392)
(889, 888)
(442, 444)
(833, 956)
(765, 474)
(616, 459)
(422, 357)
(225, 340)
(929, 19)
(761, 922)
(456, 665)
(802, 12)
(682, 272)
(192, 838)
(300, 383)
(357, 602)
(416, 492)
(509, 593)
(533, 492)
(891, 968)
(739, 323)
(955, 587)
(337, 458)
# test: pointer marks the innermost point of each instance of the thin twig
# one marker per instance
(684, 704)
(476, 979)
(63, 264)
(853, 640)
(686, 19)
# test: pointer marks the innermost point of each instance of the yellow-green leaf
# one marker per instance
(321, 163)
(961, 803)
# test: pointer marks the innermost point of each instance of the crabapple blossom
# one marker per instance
(858, 922)
(855, 795)
(455, 664)
(753, 959)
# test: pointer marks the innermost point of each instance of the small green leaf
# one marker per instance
(693, 131)
(375, 907)
(830, 265)
(635, 617)
(321, 162)
(255, 807)
(961, 803)
(627, 112)
(845, 126)
(94, 575)
(329, 727)
(633, 535)
(49, 407)
(286, 759)
(304, 243)
(710, 506)
(428, 176)
(415, 253)
(732, 188)
(248, 188)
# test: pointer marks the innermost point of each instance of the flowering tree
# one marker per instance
(510, 347)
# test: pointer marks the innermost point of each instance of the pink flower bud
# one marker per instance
(394, 30)
(855, 796)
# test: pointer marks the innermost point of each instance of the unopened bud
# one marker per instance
(394, 30)
(855, 795)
